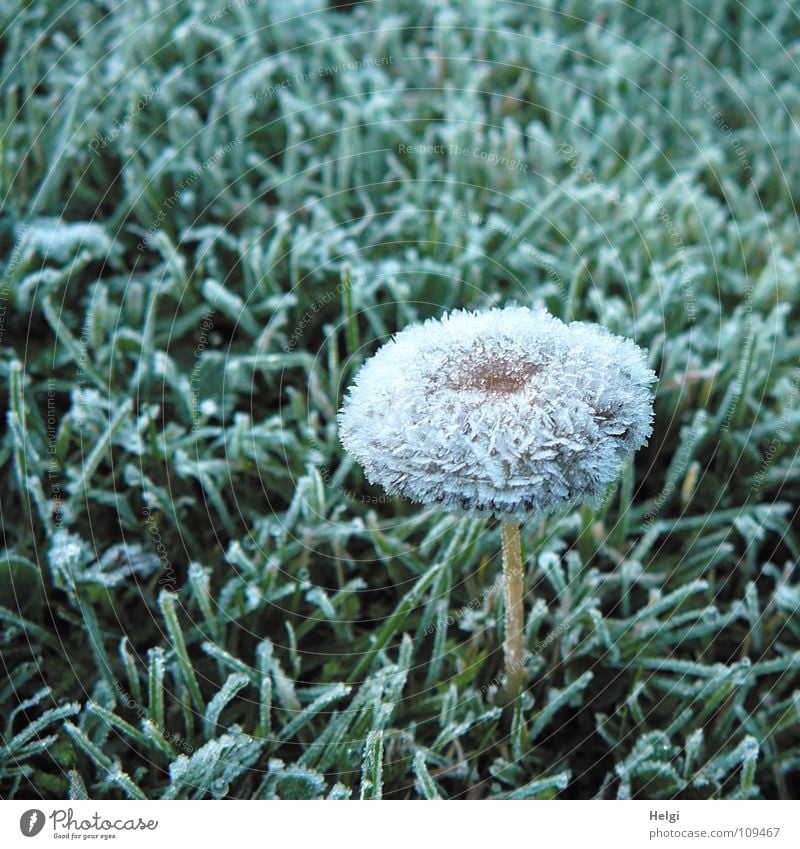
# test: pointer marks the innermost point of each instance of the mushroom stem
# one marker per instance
(514, 648)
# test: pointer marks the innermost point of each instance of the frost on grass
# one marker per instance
(506, 411)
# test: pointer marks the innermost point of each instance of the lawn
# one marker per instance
(212, 214)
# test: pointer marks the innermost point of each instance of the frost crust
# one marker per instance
(507, 411)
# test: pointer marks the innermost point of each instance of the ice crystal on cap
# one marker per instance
(507, 411)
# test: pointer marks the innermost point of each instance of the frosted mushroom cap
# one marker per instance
(507, 411)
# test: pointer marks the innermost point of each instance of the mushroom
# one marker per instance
(507, 412)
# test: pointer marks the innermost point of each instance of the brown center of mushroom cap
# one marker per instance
(493, 377)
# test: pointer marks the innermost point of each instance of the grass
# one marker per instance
(204, 237)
